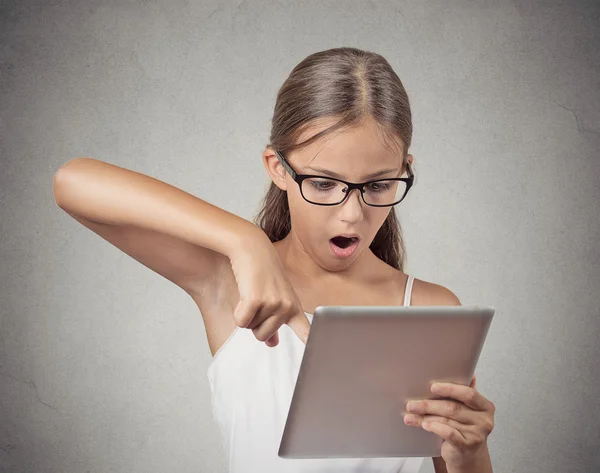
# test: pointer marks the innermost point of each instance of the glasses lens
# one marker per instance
(384, 192)
(323, 190)
(330, 191)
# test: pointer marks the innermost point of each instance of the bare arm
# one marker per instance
(172, 232)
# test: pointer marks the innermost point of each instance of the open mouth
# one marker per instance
(343, 242)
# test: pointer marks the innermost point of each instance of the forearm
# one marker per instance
(480, 464)
(109, 194)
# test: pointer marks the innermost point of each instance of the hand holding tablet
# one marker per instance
(464, 419)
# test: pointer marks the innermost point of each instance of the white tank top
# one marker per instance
(252, 387)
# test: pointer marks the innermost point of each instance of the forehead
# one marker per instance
(359, 148)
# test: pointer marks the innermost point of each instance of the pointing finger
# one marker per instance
(273, 341)
(300, 324)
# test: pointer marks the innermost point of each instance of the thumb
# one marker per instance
(300, 324)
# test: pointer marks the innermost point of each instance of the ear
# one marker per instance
(274, 168)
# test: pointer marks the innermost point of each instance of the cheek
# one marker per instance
(296, 202)
(304, 215)
(310, 222)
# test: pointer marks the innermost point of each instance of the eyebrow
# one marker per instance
(338, 176)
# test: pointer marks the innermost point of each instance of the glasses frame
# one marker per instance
(298, 178)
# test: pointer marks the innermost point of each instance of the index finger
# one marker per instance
(465, 394)
(300, 324)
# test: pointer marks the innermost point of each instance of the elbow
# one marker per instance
(59, 180)
(56, 183)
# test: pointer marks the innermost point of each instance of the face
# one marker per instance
(354, 155)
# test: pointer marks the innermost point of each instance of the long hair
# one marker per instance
(349, 85)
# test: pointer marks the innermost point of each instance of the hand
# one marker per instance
(267, 299)
(463, 424)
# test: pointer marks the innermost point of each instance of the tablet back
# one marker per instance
(360, 367)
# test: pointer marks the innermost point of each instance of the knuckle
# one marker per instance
(454, 408)
(270, 305)
(456, 437)
(443, 420)
(489, 426)
(242, 319)
(472, 440)
(254, 303)
(287, 305)
(239, 318)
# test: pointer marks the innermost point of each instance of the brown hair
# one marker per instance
(351, 86)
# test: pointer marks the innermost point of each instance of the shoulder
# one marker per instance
(428, 293)
(423, 292)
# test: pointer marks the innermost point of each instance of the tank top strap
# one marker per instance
(408, 290)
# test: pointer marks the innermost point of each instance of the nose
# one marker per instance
(352, 208)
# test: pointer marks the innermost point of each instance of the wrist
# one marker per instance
(479, 462)
(247, 239)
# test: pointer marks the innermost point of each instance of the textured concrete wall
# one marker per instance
(103, 362)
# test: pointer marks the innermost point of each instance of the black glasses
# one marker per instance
(322, 190)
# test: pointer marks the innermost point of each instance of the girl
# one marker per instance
(327, 234)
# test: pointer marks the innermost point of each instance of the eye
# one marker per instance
(378, 186)
(322, 184)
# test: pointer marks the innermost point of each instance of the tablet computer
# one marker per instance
(360, 367)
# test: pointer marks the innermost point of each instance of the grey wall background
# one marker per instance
(103, 362)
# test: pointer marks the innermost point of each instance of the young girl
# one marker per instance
(327, 234)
